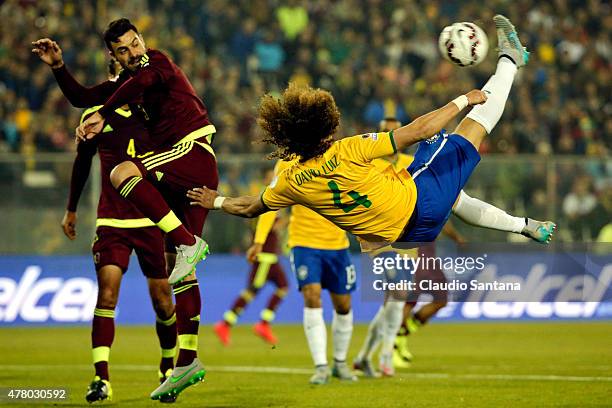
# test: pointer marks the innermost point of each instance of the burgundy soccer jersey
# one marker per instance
(123, 138)
(165, 98)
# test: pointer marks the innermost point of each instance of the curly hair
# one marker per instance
(301, 123)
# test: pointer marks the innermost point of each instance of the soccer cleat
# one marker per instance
(168, 398)
(321, 376)
(399, 361)
(99, 390)
(401, 345)
(263, 330)
(365, 366)
(222, 330)
(386, 365)
(187, 257)
(509, 44)
(539, 231)
(181, 378)
(341, 371)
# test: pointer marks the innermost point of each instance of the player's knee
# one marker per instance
(440, 303)
(164, 308)
(343, 309)
(312, 296)
(123, 171)
(107, 298)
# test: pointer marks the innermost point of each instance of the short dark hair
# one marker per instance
(116, 29)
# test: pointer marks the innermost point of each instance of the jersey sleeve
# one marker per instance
(370, 146)
(276, 195)
(265, 222)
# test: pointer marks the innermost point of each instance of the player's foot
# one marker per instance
(99, 390)
(341, 371)
(366, 367)
(187, 257)
(386, 365)
(400, 361)
(321, 375)
(539, 231)
(508, 42)
(401, 345)
(168, 398)
(222, 330)
(263, 330)
(181, 378)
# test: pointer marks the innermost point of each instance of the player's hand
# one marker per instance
(69, 224)
(49, 52)
(91, 127)
(203, 196)
(476, 97)
(253, 251)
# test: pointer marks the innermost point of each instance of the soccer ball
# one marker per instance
(463, 44)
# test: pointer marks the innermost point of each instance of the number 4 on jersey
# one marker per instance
(358, 198)
(131, 149)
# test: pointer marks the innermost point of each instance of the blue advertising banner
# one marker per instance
(62, 290)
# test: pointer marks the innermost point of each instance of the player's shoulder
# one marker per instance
(155, 58)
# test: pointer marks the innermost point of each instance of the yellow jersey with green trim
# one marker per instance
(345, 187)
(395, 163)
(307, 228)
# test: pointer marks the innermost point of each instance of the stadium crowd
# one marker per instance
(378, 57)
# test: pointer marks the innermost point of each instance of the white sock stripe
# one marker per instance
(426, 165)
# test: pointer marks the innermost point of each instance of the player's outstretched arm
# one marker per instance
(245, 206)
(78, 95)
(431, 123)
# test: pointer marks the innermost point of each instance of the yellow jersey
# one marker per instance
(344, 186)
(395, 163)
(306, 227)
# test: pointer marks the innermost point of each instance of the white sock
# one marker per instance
(476, 212)
(342, 330)
(373, 336)
(497, 90)
(316, 334)
(392, 321)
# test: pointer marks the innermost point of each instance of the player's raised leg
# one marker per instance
(128, 179)
(481, 214)
(103, 331)
(483, 118)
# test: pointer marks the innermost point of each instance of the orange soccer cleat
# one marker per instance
(222, 330)
(263, 330)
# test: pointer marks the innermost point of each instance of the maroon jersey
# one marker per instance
(123, 138)
(166, 99)
(158, 92)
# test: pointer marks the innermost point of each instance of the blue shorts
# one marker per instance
(442, 166)
(333, 269)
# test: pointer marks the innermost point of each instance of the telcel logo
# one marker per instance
(72, 300)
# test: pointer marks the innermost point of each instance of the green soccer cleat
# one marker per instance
(168, 398)
(539, 231)
(99, 390)
(321, 375)
(341, 371)
(402, 357)
(187, 257)
(181, 378)
(508, 42)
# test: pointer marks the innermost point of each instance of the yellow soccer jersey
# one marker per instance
(344, 186)
(308, 229)
(395, 163)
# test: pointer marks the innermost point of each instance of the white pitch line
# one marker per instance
(306, 371)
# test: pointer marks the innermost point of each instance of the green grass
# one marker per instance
(456, 365)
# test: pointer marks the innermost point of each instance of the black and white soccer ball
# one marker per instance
(464, 44)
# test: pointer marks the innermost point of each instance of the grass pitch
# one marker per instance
(540, 364)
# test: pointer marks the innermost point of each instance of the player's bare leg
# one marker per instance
(128, 180)
(316, 334)
(103, 331)
(342, 330)
(165, 326)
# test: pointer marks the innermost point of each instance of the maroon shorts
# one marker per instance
(262, 272)
(113, 246)
(176, 170)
